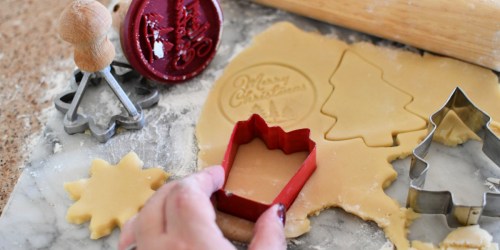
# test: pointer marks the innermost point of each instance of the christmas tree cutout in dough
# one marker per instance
(112, 194)
(367, 107)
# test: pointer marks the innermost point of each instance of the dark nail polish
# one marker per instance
(282, 213)
(133, 246)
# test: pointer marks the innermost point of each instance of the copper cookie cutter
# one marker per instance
(441, 202)
(274, 138)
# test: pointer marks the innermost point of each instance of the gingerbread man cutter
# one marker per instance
(441, 202)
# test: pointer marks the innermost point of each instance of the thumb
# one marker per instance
(127, 236)
(269, 232)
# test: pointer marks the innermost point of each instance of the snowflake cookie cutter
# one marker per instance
(274, 138)
(441, 202)
(74, 122)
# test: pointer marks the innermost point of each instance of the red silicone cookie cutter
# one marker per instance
(274, 138)
(171, 41)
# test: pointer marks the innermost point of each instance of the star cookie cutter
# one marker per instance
(441, 202)
(146, 95)
(274, 138)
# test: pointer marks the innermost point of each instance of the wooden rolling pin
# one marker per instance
(467, 30)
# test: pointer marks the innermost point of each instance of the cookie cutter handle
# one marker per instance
(72, 114)
(85, 24)
(122, 96)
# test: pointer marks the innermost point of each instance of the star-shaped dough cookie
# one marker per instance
(112, 194)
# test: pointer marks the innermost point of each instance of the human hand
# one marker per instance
(180, 216)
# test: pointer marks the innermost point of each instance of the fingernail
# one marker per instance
(282, 213)
(131, 247)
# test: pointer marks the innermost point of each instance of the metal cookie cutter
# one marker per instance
(441, 202)
(274, 138)
(85, 25)
(69, 101)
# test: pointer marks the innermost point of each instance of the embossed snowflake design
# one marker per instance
(113, 194)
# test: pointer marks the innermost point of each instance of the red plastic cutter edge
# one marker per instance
(274, 138)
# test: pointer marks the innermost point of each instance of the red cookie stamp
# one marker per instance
(171, 40)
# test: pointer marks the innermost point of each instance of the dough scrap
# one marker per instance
(452, 131)
(285, 77)
(462, 238)
(471, 237)
(112, 194)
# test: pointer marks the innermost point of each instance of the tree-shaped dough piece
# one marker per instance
(366, 106)
(112, 194)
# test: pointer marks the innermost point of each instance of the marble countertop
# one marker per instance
(34, 218)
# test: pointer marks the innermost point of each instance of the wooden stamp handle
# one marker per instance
(84, 24)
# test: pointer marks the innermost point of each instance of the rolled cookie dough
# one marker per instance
(290, 78)
(112, 194)
(259, 173)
